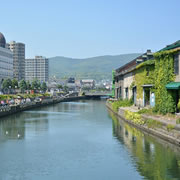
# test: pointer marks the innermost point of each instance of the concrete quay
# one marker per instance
(172, 136)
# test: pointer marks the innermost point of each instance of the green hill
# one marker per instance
(96, 67)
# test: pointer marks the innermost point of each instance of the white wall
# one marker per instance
(128, 79)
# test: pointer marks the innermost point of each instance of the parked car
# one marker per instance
(38, 100)
(12, 102)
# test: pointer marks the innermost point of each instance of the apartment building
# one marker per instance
(6, 60)
(18, 50)
(37, 68)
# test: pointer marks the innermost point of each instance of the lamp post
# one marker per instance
(15, 89)
(9, 89)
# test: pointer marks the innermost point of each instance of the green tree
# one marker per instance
(44, 87)
(66, 88)
(7, 85)
(59, 86)
(28, 84)
(36, 84)
(14, 83)
(23, 85)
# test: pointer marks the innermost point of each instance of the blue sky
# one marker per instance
(87, 28)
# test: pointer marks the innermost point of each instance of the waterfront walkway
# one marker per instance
(165, 119)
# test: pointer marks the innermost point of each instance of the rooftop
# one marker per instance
(2, 41)
(172, 46)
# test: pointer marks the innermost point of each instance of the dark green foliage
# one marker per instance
(36, 84)
(43, 87)
(28, 84)
(7, 84)
(65, 88)
(59, 86)
(14, 84)
(23, 85)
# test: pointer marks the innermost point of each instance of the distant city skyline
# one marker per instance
(88, 28)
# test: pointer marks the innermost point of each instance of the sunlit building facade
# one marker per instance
(18, 50)
(37, 68)
(6, 60)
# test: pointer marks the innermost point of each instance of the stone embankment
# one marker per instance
(171, 135)
(8, 110)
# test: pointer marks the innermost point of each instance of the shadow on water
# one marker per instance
(152, 157)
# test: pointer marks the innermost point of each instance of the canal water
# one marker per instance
(81, 141)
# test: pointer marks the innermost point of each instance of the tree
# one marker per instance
(28, 84)
(44, 87)
(66, 88)
(36, 84)
(14, 84)
(7, 85)
(23, 85)
(59, 86)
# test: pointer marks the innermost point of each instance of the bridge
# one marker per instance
(98, 94)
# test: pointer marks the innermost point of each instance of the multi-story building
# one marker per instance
(88, 83)
(37, 68)
(6, 60)
(18, 50)
(124, 76)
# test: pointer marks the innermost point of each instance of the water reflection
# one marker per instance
(19, 125)
(153, 158)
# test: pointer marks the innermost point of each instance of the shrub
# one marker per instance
(151, 123)
(170, 127)
(134, 117)
(178, 105)
(178, 121)
(121, 103)
(144, 111)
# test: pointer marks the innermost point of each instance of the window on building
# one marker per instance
(126, 91)
(120, 95)
(176, 64)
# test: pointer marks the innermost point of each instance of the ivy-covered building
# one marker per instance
(167, 78)
(124, 76)
(143, 84)
(152, 80)
(157, 81)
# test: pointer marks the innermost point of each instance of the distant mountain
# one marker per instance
(96, 67)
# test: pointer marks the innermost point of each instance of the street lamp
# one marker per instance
(9, 89)
(15, 89)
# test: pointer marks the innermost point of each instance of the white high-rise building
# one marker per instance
(6, 60)
(37, 68)
(18, 50)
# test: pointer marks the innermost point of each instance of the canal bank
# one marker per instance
(166, 131)
(9, 110)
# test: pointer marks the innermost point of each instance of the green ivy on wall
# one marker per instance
(144, 74)
(164, 73)
(158, 72)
